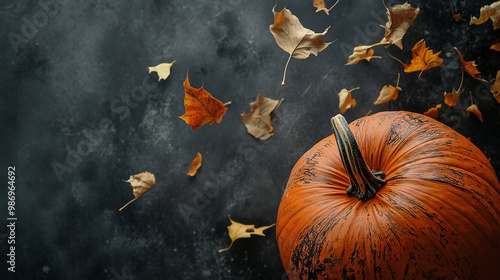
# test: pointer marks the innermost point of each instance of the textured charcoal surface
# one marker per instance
(79, 112)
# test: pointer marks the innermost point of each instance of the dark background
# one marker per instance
(84, 64)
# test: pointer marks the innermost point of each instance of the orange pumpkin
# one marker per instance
(395, 195)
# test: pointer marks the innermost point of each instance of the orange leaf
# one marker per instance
(320, 6)
(195, 165)
(495, 88)
(495, 47)
(474, 110)
(201, 107)
(387, 93)
(433, 112)
(400, 17)
(423, 59)
(452, 98)
(469, 66)
(457, 17)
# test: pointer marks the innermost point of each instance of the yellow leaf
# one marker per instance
(140, 183)
(361, 52)
(258, 123)
(320, 6)
(488, 12)
(433, 112)
(195, 165)
(163, 70)
(400, 17)
(495, 88)
(423, 58)
(387, 93)
(237, 230)
(294, 38)
(345, 99)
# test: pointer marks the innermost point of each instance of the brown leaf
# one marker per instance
(423, 58)
(495, 47)
(387, 93)
(140, 183)
(360, 53)
(237, 230)
(469, 66)
(457, 17)
(163, 70)
(294, 38)
(495, 88)
(400, 17)
(195, 165)
(433, 112)
(258, 123)
(320, 6)
(474, 110)
(201, 107)
(488, 12)
(452, 98)
(345, 99)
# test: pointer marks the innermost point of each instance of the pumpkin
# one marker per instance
(395, 195)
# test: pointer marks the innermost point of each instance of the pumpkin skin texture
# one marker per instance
(436, 217)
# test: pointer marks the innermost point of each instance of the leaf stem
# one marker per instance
(284, 73)
(127, 204)
(334, 5)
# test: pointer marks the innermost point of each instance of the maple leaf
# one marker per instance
(433, 112)
(201, 107)
(237, 230)
(294, 38)
(422, 59)
(452, 98)
(473, 109)
(495, 88)
(258, 123)
(195, 165)
(387, 93)
(400, 18)
(320, 6)
(495, 47)
(469, 66)
(163, 70)
(140, 183)
(488, 12)
(362, 52)
(457, 17)
(345, 99)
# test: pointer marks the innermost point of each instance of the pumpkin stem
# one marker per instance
(364, 182)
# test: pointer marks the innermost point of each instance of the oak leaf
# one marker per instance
(140, 183)
(195, 165)
(361, 52)
(457, 17)
(433, 112)
(294, 38)
(422, 59)
(387, 93)
(238, 230)
(163, 70)
(488, 12)
(346, 100)
(469, 66)
(495, 47)
(400, 18)
(495, 88)
(201, 107)
(321, 6)
(452, 98)
(258, 123)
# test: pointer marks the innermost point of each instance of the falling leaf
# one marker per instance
(469, 66)
(457, 17)
(488, 12)
(140, 184)
(294, 38)
(495, 88)
(237, 230)
(201, 107)
(433, 112)
(422, 59)
(452, 98)
(258, 123)
(361, 52)
(320, 6)
(495, 47)
(163, 70)
(473, 109)
(195, 165)
(387, 93)
(345, 99)
(400, 17)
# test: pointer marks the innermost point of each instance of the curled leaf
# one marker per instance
(457, 17)
(469, 66)
(433, 112)
(452, 98)
(195, 165)
(361, 52)
(258, 123)
(472, 109)
(345, 99)
(423, 58)
(495, 88)
(294, 38)
(488, 12)
(163, 70)
(400, 18)
(237, 230)
(320, 6)
(201, 107)
(387, 93)
(140, 183)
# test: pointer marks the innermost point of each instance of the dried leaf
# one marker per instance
(201, 107)
(195, 165)
(423, 59)
(469, 66)
(320, 6)
(400, 17)
(258, 123)
(361, 52)
(433, 112)
(452, 98)
(472, 109)
(163, 70)
(237, 230)
(457, 17)
(345, 99)
(495, 88)
(387, 93)
(495, 47)
(140, 183)
(294, 38)
(488, 12)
